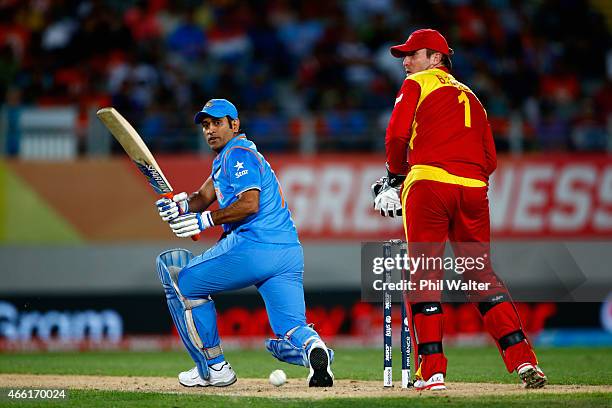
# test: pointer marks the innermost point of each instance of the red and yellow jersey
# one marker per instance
(438, 122)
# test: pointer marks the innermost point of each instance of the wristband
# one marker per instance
(395, 180)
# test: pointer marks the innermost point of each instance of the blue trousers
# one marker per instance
(236, 262)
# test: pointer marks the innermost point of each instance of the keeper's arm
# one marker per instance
(489, 150)
(399, 130)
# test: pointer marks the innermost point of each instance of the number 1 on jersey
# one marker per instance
(463, 98)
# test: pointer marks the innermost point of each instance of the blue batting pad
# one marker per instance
(179, 258)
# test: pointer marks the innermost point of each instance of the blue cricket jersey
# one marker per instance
(240, 167)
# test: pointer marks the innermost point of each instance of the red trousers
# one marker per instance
(435, 212)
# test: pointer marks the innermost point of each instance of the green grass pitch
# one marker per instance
(588, 366)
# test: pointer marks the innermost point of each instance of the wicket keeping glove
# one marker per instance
(386, 198)
(191, 224)
(169, 209)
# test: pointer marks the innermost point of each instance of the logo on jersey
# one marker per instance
(240, 170)
(399, 98)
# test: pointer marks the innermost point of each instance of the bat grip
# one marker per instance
(169, 197)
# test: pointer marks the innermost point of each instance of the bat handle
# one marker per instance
(169, 196)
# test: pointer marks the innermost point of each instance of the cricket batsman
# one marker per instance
(259, 246)
(440, 154)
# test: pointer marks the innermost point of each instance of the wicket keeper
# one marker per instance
(440, 154)
(259, 247)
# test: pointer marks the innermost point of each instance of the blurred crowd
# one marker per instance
(543, 69)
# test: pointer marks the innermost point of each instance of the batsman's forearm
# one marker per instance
(199, 203)
(202, 199)
(247, 204)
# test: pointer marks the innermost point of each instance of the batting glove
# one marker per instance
(191, 224)
(386, 198)
(169, 209)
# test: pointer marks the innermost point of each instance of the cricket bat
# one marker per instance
(138, 151)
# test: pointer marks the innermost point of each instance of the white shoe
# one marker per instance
(320, 371)
(531, 375)
(435, 382)
(219, 375)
